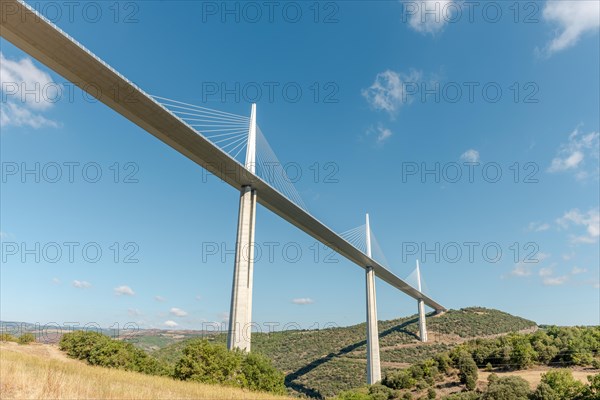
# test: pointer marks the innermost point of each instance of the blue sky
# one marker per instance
(387, 92)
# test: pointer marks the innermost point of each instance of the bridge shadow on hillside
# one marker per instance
(314, 393)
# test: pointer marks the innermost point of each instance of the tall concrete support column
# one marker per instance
(421, 305)
(373, 360)
(240, 315)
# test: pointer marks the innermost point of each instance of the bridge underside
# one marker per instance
(23, 27)
(32, 33)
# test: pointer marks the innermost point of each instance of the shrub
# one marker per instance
(208, 363)
(261, 375)
(431, 394)
(593, 391)
(352, 395)
(544, 392)
(463, 396)
(444, 363)
(26, 338)
(508, 388)
(98, 349)
(79, 344)
(214, 364)
(470, 382)
(380, 392)
(399, 380)
(7, 337)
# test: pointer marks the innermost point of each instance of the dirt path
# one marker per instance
(47, 351)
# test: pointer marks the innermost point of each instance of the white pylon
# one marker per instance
(240, 316)
(421, 306)
(373, 359)
(251, 147)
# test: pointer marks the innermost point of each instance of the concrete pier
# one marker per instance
(373, 360)
(240, 316)
(421, 306)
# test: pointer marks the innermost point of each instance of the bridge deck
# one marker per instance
(32, 33)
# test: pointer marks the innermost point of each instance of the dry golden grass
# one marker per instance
(40, 372)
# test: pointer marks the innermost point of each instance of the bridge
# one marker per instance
(212, 139)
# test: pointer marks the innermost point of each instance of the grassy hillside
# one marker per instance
(40, 371)
(321, 363)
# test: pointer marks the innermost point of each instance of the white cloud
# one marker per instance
(160, 298)
(381, 133)
(571, 156)
(573, 19)
(429, 16)
(577, 271)
(384, 134)
(521, 270)
(15, 115)
(589, 220)
(133, 312)
(389, 91)
(56, 281)
(81, 284)
(171, 324)
(545, 272)
(198, 297)
(470, 155)
(538, 227)
(124, 290)
(555, 281)
(27, 91)
(178, 312)
(303, 300)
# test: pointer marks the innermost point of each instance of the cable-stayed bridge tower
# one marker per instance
(240, 315)
(373, 360)
(421, 306)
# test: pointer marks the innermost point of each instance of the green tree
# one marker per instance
(522, 355)
(467, 370)
(563, 384)
(592, 392)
